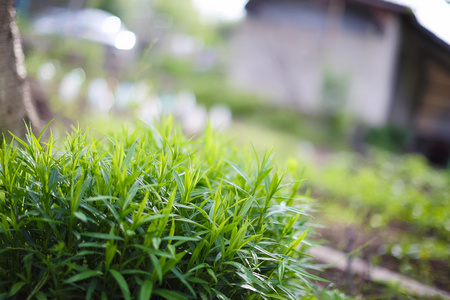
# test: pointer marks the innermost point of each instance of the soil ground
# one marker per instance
(372, 243)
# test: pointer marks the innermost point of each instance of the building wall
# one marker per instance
(285, 51)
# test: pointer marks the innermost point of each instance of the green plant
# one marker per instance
(149, 214)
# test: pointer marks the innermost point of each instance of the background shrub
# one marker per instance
(389, 138)
(390, 190)
(149, 214)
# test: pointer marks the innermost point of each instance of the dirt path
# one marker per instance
(362, 268)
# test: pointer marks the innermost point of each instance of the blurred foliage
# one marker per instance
(330, 295)
(399, 199)
(113, 6)
(211, 87)
(67, 54)
(186, 19)
(390, 138)
(387, 189)
(335, 90)
(335, 93)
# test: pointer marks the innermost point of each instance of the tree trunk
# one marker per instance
(16, 107)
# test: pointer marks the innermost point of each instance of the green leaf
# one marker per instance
(135, 271)
(39, 285)
(130, 154)
(92, 244)
(103, 236)
(220, 295)
(281, 272)
(146, 290)
(43, 130)
(172, 262)
(122, 283)
(82, 276)
(152, 251)
(179, 182)
(149, 218)
(196, 253)
(41, 296)
(281, 209)
(109, 253)
(242, 173)
(182, 238)
(170, 295)
(157, 266)
(236, 186)
(211, 273)
(91, 288)
(197, 280)
(15, 288)
(247, 275)
(275, 296)
(81, 216)
(183, 280)
(261, 177)
(296, 242)
(20, 141)
(250, 288)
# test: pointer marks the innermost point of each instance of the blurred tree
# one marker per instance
(15, 101)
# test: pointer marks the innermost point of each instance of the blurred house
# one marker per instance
(370, 58)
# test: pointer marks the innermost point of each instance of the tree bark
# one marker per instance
(16, 107)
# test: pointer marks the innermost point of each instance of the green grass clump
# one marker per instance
(149, 214)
